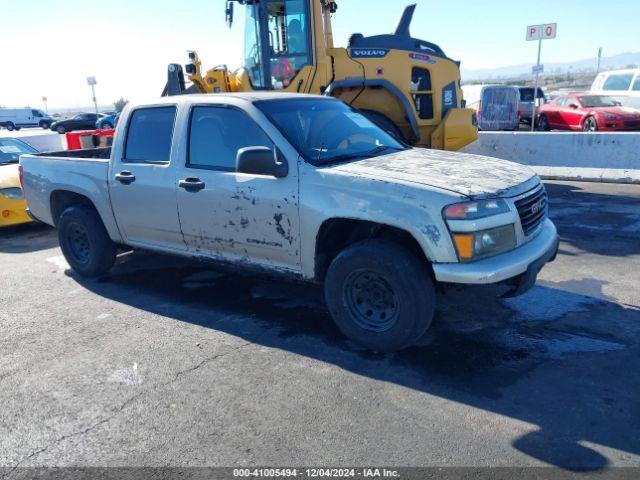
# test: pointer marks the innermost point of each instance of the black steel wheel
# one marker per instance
(84, 241)
(380, 295)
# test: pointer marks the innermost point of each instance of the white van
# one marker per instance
(16, 118)
(623, 85)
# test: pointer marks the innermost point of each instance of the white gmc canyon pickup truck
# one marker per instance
(298, 185)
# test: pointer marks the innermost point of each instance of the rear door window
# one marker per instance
(618, 81)
(150, 134)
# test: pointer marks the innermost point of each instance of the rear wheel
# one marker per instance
(106, 126)
(85, 242)
(45, 125)
(380, 295)
(590, 124)
(60, 129)
(385, 124)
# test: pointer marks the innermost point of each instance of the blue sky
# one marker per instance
(49, 47)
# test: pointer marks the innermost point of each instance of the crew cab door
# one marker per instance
(142, 180)
(229, 215)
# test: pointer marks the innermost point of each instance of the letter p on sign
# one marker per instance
(542, 32)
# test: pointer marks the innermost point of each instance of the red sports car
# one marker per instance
(587, 112)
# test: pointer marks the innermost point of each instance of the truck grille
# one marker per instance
(532, 210)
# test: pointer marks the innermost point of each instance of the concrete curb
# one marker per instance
(599, 175)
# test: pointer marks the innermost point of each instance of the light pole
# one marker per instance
(91, 81)
(44, 100)
(599, 60)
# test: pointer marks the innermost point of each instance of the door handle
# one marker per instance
(125, 177)
(191, 184)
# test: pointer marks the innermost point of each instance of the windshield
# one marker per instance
(526, 94)
(598, 101)
(328, 131)
(11, 149)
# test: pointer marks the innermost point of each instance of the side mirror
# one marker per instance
(573, 106)
(261, 161)
(228, 13)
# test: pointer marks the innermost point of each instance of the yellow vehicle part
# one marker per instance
(12, 211)
(456, 130)
(386, 85)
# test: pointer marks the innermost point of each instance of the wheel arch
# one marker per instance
(61, 199)
(365, 83)
(337, 233)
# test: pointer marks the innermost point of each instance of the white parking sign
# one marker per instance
(542, 32)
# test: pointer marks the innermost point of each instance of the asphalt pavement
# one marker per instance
(170, 362)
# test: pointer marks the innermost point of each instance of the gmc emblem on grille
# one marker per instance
(536, 207)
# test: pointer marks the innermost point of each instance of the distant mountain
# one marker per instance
(621, 60)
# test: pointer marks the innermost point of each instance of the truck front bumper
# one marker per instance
(524, 262)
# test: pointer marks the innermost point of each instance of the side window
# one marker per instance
(149, 135)
(422, 93)
(636, 84)
(36, 113)
(620, 81)
(217, 133)
(561, 101)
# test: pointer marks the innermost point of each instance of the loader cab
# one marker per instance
(278, 42)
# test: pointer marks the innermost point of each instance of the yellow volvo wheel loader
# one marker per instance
(407, 86)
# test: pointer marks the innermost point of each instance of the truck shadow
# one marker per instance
(26, 238)
(552, 358)
(606, 224)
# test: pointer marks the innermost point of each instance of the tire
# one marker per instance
(385, 124)
(10, 126)
(84, 241)
(543, 123)
(106, 126)
(380, 295)
(45, 125)
(590, 124)
(60, 129)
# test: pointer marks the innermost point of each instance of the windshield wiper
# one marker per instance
(356, 155)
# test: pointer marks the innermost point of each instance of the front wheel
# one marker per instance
(106, 126)
(380, 295)
(10, 126)
(60, 129)
(543, 123)
(85, 242)
(590, 124)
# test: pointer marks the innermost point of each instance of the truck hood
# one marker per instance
(9, 177)
(462, 173)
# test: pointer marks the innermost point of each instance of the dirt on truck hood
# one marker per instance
(466, 174)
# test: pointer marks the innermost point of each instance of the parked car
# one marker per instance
(17, 118)
(589, 113)
(13, 207)
(623, 85)
(499, 108)
(82, 121)
(527, 104)
(106, 122)
(303, 186)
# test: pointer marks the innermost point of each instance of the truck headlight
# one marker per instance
(14, 193)
(477, 245)
(477, 209)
